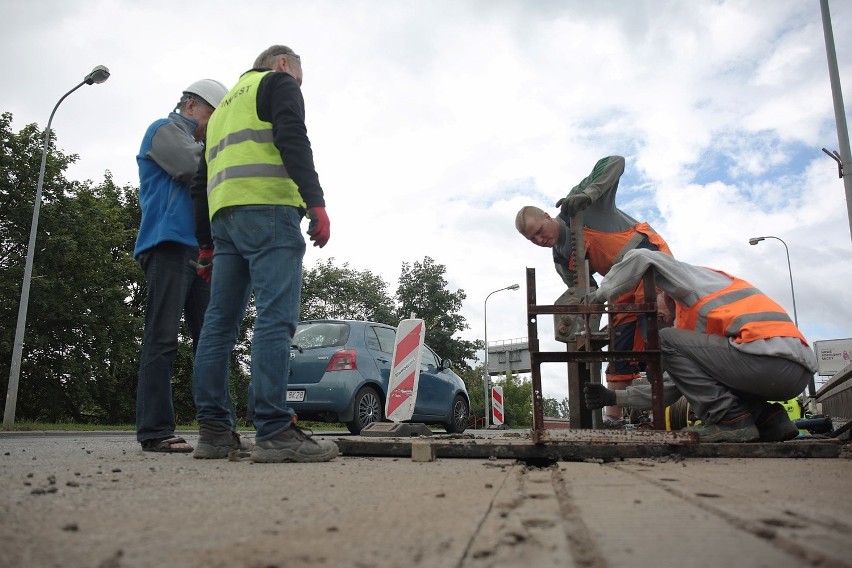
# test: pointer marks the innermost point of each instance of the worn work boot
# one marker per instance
(216, 441)
(293, 445)
(739, 429)
(774, 424)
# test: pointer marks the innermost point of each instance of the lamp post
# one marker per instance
(486, 376)
(754, 241)
(98, 75)
(844, 157)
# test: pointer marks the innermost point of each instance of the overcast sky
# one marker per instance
(433, 122)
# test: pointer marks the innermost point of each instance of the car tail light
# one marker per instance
(343, 360)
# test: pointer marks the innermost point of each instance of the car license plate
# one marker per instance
(295, 396)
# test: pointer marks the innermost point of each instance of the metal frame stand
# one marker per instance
(585, 353)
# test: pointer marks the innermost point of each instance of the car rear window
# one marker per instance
(325, 334)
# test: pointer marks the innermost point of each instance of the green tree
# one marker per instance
(472, 377)
(85, 319)
(341, 292)
(98, 278)
(82, 334)
(556, 409)
(87, 297)
(550, 407)
(423, 291)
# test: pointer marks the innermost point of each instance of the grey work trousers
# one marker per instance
(719, 381)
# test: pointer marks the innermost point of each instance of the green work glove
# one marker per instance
(573, 204)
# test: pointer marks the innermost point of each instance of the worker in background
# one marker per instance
(165, 247)
(730, 350)
(251, 192)
(608, 233)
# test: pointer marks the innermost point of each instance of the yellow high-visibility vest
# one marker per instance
(243, 165)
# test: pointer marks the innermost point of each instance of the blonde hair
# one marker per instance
(525, 215)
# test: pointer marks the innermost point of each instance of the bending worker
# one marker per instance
(730, 350)
(608, 233)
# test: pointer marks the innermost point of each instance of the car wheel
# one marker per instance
(367, 407)
(459, 416)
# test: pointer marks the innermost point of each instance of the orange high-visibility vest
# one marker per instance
(603, 249)
(740, 311)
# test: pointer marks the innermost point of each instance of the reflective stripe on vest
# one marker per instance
(634, 242)
(247, 135)
(244, 167)
(740, 311)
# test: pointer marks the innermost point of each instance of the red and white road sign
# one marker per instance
(405, 372)
(497, 417)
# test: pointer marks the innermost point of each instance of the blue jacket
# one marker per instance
(168, 159)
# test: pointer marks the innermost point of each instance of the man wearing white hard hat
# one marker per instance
(166, 249)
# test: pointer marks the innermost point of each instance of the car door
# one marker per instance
(433, 391)
(379, 340)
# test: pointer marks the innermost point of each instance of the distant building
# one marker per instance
(509, 355)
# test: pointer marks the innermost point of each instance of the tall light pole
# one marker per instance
(844, 157)
(754, 241)
(98, 75)
(485, 375)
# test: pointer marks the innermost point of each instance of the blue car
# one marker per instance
(339, 372)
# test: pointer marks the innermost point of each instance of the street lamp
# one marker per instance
(98, 75)
(844, 157)
(754, 241)
(486, 376)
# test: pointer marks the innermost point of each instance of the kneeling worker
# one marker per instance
(730, 350)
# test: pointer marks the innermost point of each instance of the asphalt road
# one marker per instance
(89, 500)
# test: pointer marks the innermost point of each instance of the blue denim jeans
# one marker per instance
(257, 248)
(173, 289)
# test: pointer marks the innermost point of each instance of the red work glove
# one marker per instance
(204, 266)
(319, 228)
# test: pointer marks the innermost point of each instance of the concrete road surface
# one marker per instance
(98, 501)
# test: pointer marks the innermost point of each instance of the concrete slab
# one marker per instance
(396, 430)
(596, 445)
(82, 500)
(422, 451)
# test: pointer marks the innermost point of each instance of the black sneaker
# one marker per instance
(774, 424)
(216, 441)
(293, 445)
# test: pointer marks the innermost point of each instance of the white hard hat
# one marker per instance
(210, 90)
